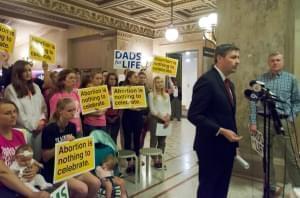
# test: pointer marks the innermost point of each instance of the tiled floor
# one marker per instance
(181, 176)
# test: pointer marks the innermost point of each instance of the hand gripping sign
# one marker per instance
(127, 60)
(73, 158)
(127, 97)
(42, 50)
(164, 65)
(93, 99)
(7, 38)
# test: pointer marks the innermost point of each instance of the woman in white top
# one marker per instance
(30, 102)
(160, 109)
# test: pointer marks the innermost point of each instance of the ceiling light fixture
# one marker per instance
(208, 25)
(171, 33)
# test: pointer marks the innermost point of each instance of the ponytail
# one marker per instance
(61, 104)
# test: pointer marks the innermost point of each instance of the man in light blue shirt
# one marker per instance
(285, 86)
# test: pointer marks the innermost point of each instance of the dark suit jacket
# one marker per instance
(211, 109)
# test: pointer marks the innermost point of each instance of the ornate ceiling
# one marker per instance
(144, 17)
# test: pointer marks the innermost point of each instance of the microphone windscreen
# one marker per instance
(250, 95)
(247, 92)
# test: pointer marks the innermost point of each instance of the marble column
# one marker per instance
(257, 27)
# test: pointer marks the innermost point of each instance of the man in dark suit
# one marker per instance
(212, 111)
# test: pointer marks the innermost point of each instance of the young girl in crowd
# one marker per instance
(10, 139)
(132, 122)
(143, 82)
(97, 119)
(160, 109)
(23, 160)
(30, 102)
(108, 180)
(59, 130)
(112, 115)
(65, 83)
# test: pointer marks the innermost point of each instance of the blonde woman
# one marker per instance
(160, 110)
(60, 129)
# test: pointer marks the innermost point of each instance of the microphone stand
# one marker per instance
(266, 156)
(269, 113)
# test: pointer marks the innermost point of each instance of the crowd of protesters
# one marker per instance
(49, 110)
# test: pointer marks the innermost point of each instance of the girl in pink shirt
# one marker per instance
(97, 119)
(65, 83)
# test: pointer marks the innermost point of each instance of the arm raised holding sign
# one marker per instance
(6, 69)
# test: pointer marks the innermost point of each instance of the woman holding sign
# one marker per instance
(59, 130)
(112, 115)
(10, 139)
(160, 109)
(132, 122)
(97, 119)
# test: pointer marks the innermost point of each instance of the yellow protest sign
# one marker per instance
(164, 65)
(42, 50)
(128, 97)
(73, 158)
(93, 99)
(7, 38)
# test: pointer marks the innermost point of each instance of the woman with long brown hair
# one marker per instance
(28, 98)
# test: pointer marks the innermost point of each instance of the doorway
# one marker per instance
(186, 75)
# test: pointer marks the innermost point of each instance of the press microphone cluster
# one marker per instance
(259, 92)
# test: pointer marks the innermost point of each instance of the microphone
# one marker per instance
(251, 95)
(253, 82)
(273, 97)
(242, 162)
(259, 91)
(257, 86)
